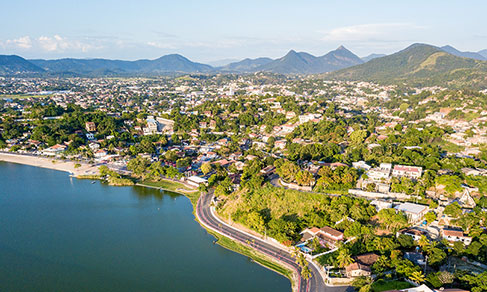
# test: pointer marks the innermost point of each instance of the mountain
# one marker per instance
(304, 63)
(372, 56)
(13, 64)
(455, 52)
(483, 53)
(164, 64)
(339, 59)
(172, 63)
(419, 64)
(246, 65)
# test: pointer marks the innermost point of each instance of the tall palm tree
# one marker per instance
(423, 242)
(417, 277)
(344, 258)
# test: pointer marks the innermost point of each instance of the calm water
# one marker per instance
(63, 234)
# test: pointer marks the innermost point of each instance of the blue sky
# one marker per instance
(213, 30)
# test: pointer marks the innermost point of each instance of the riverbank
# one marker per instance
(75, 168)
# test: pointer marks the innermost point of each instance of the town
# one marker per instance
(379, 186)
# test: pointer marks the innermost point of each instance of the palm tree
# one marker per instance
(417, 277)
(423, 242)
(344, 257)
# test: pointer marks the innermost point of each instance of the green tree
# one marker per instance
(304, 178)
(206, 167)
(344, 257)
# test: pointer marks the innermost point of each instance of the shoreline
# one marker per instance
(50, 163)
(86, 169)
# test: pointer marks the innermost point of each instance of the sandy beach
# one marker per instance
(50, 163)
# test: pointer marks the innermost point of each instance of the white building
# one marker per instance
(453, 235)
(412, 172)
(414, 212)
(381, 172)
(361, 165)
(196, 181)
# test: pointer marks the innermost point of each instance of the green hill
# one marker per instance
(419, 65)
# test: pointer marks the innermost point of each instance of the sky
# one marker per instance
(206, 30)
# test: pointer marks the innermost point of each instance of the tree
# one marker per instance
(303, 263)
(453, 210)
(288, 171)
(304, 178)
(358, 136)
(206, 168)
(138, 165)
(423, 242)
(255, 221)
(405, 241)
(417, 277)
(344, 257)
(430, 216)
(391, 220)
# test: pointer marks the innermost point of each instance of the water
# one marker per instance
(64, 234)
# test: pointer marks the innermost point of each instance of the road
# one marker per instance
(315, 283)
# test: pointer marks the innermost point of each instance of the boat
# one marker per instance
(93, 182)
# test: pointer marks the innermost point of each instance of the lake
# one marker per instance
(63, 234)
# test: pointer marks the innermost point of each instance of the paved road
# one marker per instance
(315, 283)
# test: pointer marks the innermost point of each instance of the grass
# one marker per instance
(174, 187)
(383, 285)
(253, 254)
(450, 147)
(21, 96)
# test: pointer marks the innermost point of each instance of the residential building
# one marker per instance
(412, 172)
(414, 212)
(327, 236)
(196, 181)
(453, 235)
(381, 172)
(90, 127)
(357, 270)
(414, 233)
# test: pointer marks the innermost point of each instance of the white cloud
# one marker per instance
(22, 42)
(58, 43)
(375, 32)
(160, 45)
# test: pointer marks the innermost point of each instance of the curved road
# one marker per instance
(315, 283)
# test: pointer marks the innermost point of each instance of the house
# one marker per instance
(100, 153)
(268, 170)
(361, 165)
(54, 150)
(90, 126)
(379, 204)
(415, 257)
(422, 288)
(414, 233)
(327, 236)
(414, 212)
(90, 136)
(381, 172)
(196, 181)
(367, 259)
(357, 270)
(281, 144)
(453, 235)
(412, 172)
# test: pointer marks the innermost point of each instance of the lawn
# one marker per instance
(174, 187)
(383, 285)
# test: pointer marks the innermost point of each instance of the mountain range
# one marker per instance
(420, 64)
(419, 61)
